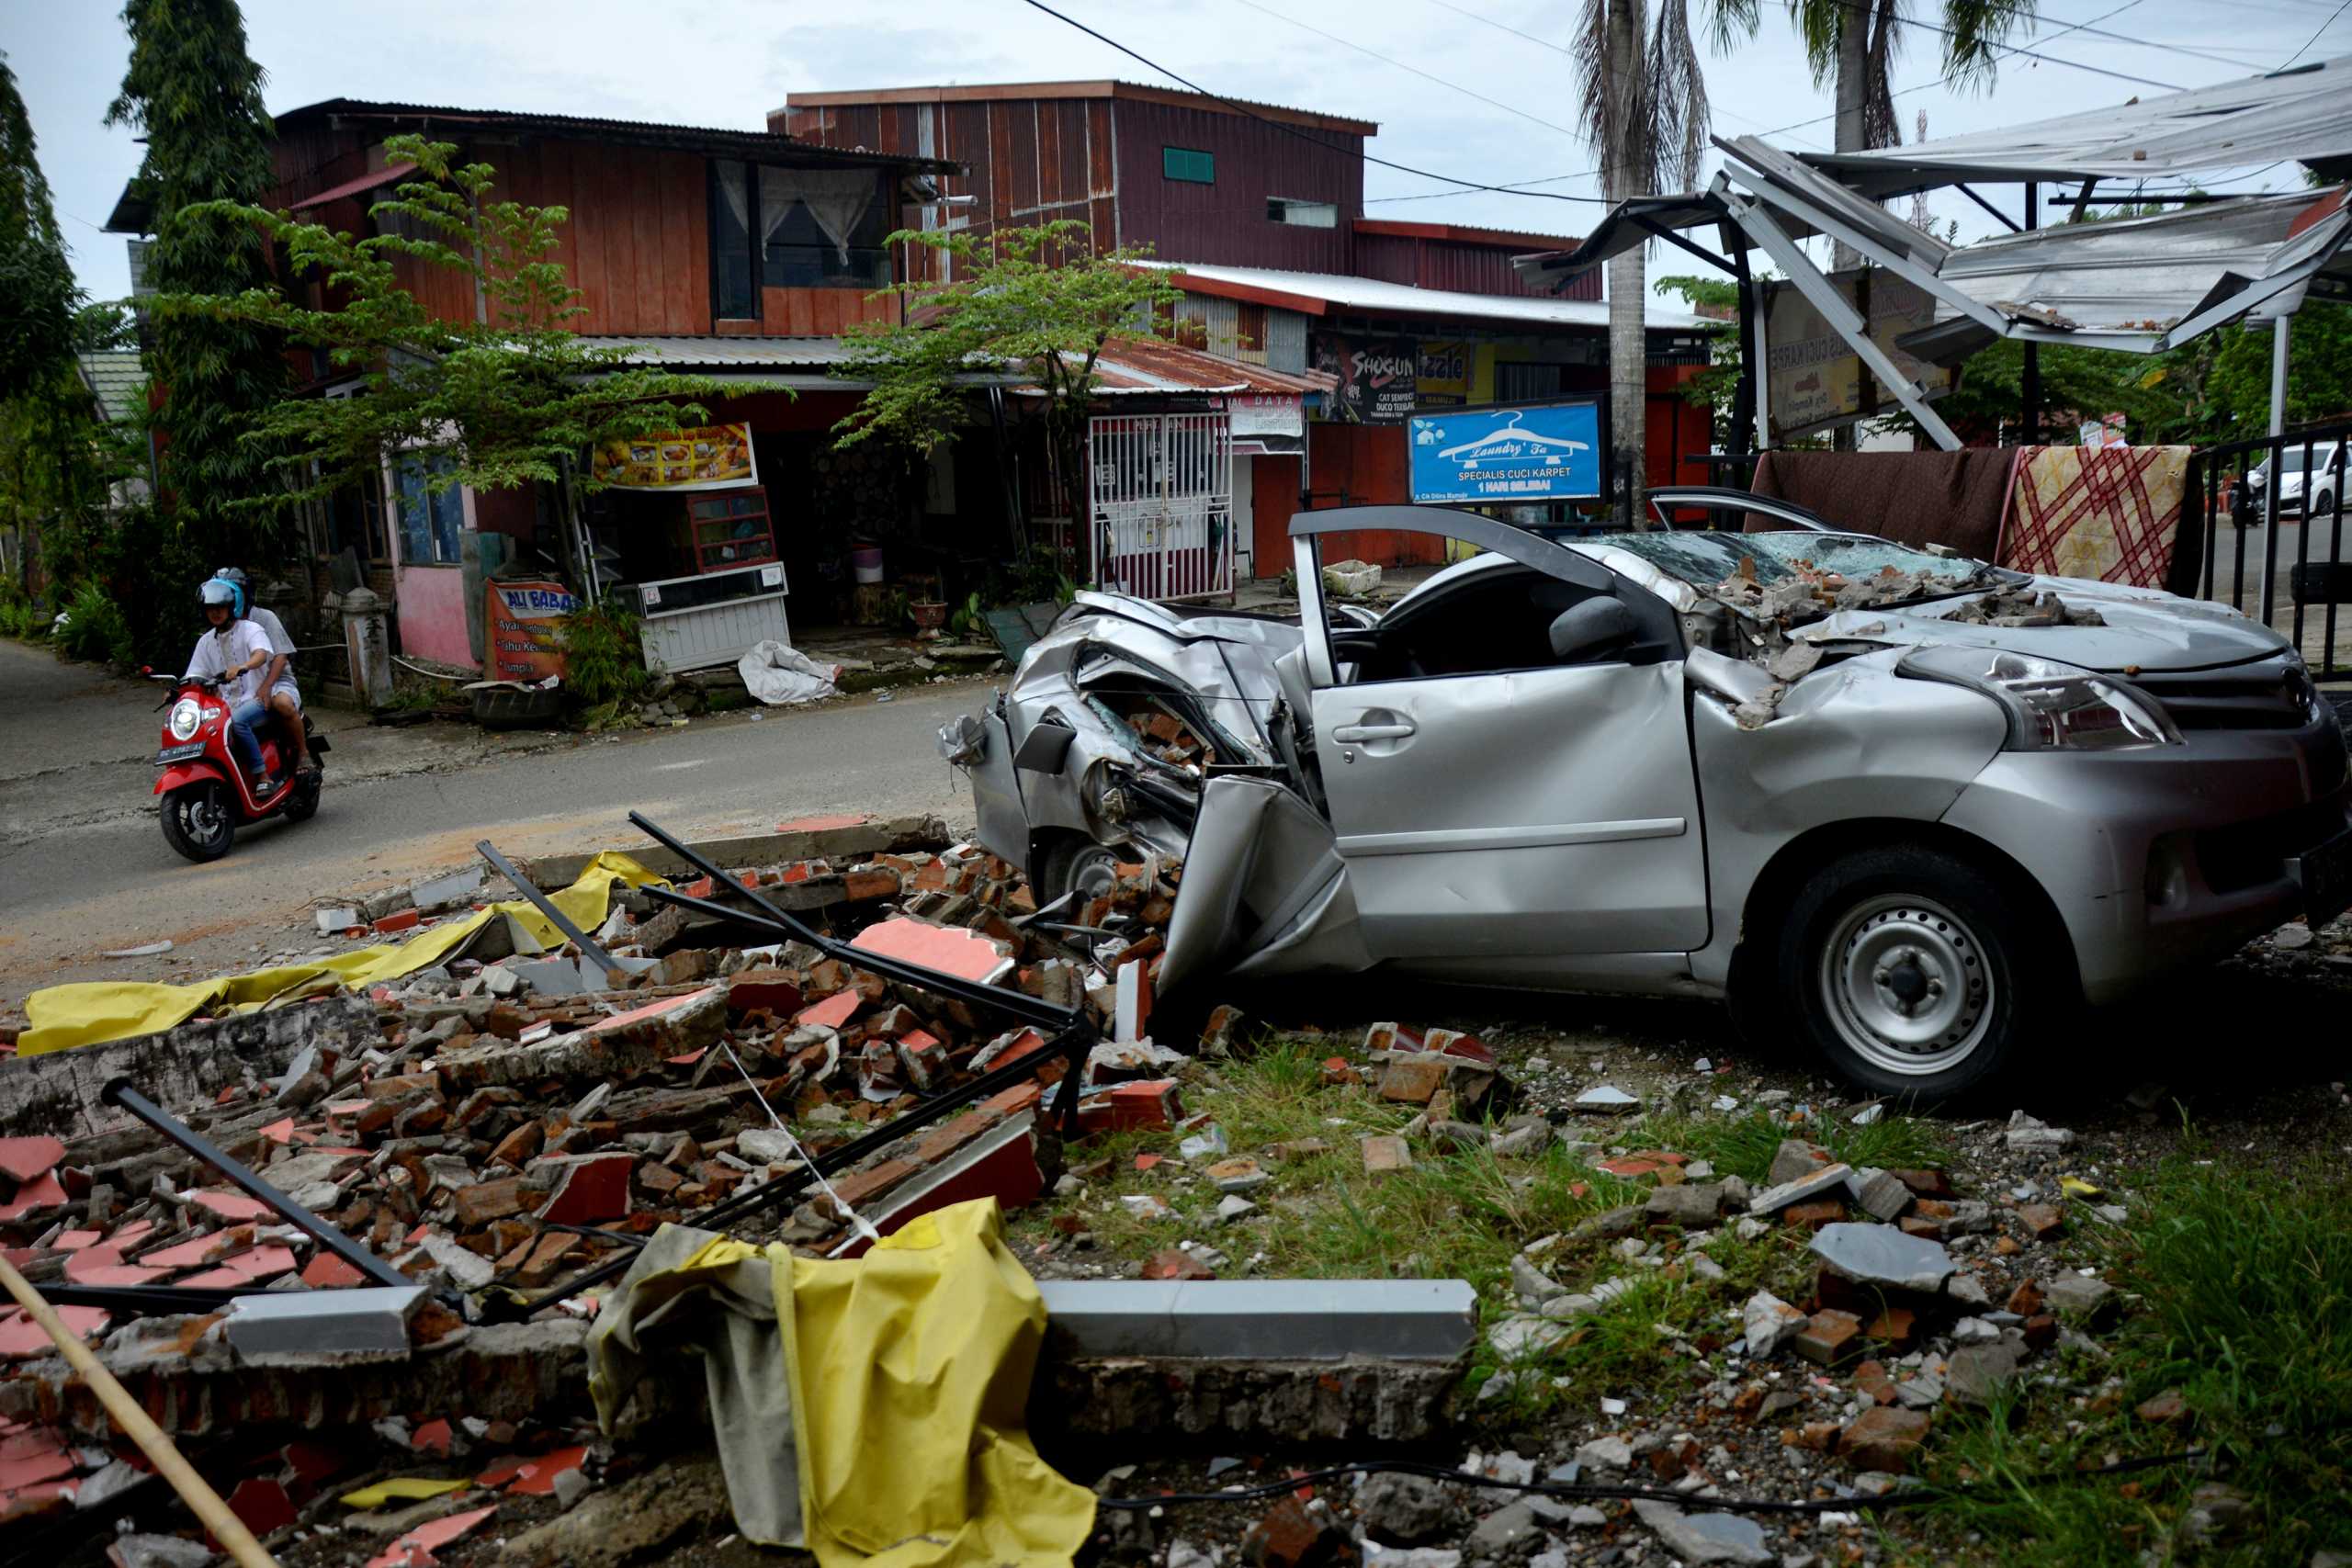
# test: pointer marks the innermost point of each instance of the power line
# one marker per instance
(1424, 75)
(2314, 37)
(1293, 131)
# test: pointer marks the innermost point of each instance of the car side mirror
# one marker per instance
(1587, 631)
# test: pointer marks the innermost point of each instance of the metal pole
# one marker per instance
(120, 1092)
(2030, 383)
(545, 906)
(2278, 424)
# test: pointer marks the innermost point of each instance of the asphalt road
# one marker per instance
(84, 867)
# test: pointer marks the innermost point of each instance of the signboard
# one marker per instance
(1377, 376)
(1815, 380)
(1445, 372)
(520, 617)
(1541, 452)
(1267, 424)
(2105, 431)
(711, 457)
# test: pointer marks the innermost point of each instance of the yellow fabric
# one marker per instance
(908, 1370)
(406, 1488)
(88, 1013)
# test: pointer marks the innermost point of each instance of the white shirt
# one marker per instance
(218, 652)
(275, 630)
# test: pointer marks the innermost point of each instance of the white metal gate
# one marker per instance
(1159, 488)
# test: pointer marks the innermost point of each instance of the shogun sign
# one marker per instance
(520, 640)
(1502, 456)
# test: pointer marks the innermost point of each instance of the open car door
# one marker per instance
(1505, 759)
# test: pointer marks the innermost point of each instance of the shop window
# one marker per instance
(823, 229)
(356, 521)
(734, 285)
(1527, 383)
(1302, 214)
(430, 520)
(1188, 164)
(731, 530)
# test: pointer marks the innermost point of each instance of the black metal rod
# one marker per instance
(1971, 193)
(120, 1092)
(1071, 1047)
(1019, 1004)
(545, 906)
(160, 1301)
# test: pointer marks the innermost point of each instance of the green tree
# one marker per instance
(1040, 299)
(38, 296)
(195, 95)
(510, 399)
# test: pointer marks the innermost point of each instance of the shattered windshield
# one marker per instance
(1704, 560)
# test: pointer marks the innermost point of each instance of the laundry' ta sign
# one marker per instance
(1536, 451)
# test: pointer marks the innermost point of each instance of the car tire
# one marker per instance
(1915, 973)
(1070, 861)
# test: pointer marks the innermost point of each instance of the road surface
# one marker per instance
(84, 867)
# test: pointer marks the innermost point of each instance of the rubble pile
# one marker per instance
(490, 1129)
(2023, 607)
(1809, 592)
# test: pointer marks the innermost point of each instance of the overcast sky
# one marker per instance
(726, 62)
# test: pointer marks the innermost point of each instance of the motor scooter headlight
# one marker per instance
(2053, 707)
(186, 713)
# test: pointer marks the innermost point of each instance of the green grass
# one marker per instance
(1451, 1216)
(1744, 1145)
(2245, 1282)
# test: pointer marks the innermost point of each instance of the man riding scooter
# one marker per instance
(235, 652)
(282, 696)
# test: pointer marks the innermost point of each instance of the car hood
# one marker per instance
(2146, 629)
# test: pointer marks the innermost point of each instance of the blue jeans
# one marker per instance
(243, 741)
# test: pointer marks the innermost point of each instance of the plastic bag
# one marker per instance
(778, 675)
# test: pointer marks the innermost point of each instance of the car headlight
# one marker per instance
(186, 713)
(2052, 706)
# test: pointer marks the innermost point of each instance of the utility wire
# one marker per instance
(1415, 69)
(1288, 128)
(2330, 21)
(1515, 188)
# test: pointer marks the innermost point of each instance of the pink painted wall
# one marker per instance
(433, 612)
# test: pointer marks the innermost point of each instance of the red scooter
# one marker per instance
(206, 797)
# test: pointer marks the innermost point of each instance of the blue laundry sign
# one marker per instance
(1498, 455)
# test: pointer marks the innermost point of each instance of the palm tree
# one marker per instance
(1645, 110)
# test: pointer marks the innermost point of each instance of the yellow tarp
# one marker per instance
(904, 1376)
(87, 1013)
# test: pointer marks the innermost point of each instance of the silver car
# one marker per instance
(1914, 806)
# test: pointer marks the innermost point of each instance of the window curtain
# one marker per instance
(839, 200)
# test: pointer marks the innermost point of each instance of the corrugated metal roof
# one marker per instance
(1131, 366)
(1325, 293)
(116, 380)
(2304, 114)
(766, 144)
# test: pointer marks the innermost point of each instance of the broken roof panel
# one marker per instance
(2304, 114)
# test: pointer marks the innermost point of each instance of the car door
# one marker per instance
(1540, 811)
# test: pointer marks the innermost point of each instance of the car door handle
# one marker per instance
(1351, 734)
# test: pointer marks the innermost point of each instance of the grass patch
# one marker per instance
(2245, 1281)
(1744, 1145)
(1461, 1215)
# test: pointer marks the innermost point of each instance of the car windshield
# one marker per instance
(1704, 559)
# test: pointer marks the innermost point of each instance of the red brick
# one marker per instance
(1645, 1162)
(831, 1013)
(260, 1503)
(487, 1200)
(870, 882)
(944, 948)
(518, 1146)
(859, 1186)
(768, 989)
(1812, 1216)
(2044, 1220)
(30, 1160)
(406, 919)
(327, 1271)
(1894, 1327)
(592, 1189)
(1829, 1338)
(1871, 1379)
(1884, 1438)
(1289, 1537)
(1151, 1102)
(1174, 1263)
(1412, 1080)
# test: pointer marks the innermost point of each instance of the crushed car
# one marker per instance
(1914, 806)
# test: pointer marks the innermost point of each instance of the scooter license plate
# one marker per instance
(171, 755)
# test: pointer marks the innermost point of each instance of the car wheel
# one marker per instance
(1079, 865)
(1913, 972)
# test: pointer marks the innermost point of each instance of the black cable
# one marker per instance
(1568, 1492)
(2314, 37)
(1290, 130)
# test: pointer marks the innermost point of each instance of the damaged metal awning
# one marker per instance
(2139, 286)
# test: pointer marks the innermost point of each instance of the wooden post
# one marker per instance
(226, 1527)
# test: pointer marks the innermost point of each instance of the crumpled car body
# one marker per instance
(1913, 804)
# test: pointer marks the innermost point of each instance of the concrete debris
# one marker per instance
(2026, 1134)
(1881, 1255)
(1769, 1323)
(1705, 1538)
(1404, 1510)
(1822, 1179)
(2023, 607)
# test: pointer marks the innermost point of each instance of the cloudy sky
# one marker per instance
(1477, 89)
